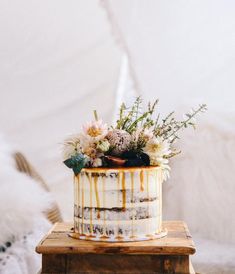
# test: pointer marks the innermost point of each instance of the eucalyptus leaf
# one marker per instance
(69, 162)
(76, 162)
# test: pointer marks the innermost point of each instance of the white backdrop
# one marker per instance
(61, 59)
(58, 61)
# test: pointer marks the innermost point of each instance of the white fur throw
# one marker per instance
(22, 222)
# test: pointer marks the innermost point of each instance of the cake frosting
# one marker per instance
(118, 204)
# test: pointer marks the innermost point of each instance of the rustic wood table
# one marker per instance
(63, 254)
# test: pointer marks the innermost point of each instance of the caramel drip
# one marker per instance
(78, 197)
(104, 202)
(82, 207)
(119, 238)
(104, 237)
(75, 198)
(97, 197)
(91, 226)
(118, 199)
(141, 180)
(148, 191)
(123, 191)
(132, 203)
(158, 200)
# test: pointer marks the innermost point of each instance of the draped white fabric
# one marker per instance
(183, 53)
(61, 59)
(58, 62)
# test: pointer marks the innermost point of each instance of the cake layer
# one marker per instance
(114, 198)
(140, 211)
(112, 180)
(135, 228)
(93, 190)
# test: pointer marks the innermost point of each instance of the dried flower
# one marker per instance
(90, 151)
(119, 141)
(71, 146)
(147, 134)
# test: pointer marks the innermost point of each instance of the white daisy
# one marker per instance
(157, 147)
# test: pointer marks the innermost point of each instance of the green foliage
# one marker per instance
(170, 127)
(76, 162)
(133, 118)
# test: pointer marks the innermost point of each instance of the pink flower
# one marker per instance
(95, 130)
(148, 133)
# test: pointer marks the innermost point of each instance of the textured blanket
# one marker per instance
(22, 222)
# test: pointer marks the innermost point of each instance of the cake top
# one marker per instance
(138, 139)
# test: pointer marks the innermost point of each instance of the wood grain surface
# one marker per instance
(168, 255)
(178, 242)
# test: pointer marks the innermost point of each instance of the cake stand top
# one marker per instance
(177, 242)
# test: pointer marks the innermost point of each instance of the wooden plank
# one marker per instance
(177, 242)
(119, 263)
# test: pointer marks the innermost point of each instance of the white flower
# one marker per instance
(157, 147)
(157, 161)
(162, 163)
(95, 130)
(71, 147)
(93, 133)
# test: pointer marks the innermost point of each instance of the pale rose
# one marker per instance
(97, 162)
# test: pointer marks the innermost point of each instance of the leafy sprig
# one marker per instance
(131, 118)
(171, 129)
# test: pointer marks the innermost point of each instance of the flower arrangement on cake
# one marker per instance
(119, 172)
(139, 138)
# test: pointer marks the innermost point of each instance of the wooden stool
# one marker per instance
(63, 254)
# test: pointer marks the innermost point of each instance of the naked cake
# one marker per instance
(118, 204)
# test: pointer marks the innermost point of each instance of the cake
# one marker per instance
(122, 204)
(118, 173)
